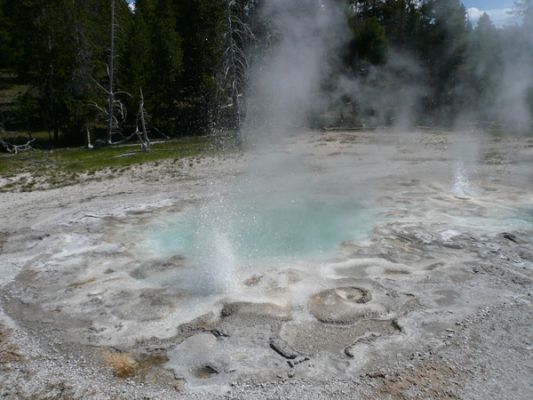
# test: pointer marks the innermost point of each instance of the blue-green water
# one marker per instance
(263, 230)
(501, 219)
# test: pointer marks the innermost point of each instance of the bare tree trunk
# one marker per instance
(49, 95)
(233, 70)
(235, 64)
(2, 122)
(89, 144)
(111, 73)
(144, 139)
(11, 148)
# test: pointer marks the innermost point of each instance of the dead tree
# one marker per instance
(89, 144)
(2, 122)
(15, 149)
(114, 113)
(235, 65)
(143, 132)
(111, 76)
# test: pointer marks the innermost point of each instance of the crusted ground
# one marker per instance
(434, 304)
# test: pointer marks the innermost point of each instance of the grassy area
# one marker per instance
(9, 95)
(10, 89)
(79, 160)
(63, 166)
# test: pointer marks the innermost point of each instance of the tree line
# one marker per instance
(428, 57)
(89, 64)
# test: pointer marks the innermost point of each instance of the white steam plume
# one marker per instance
(285, 81)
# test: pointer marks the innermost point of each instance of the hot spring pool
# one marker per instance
(262, 231)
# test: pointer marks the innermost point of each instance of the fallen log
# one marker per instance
(15, 149)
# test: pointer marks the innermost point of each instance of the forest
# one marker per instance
(100, 68)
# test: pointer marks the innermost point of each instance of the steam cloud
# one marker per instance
(285, 81)
(286, 85)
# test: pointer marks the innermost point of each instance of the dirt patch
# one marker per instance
(429, 380)
(123, 365)
(9, 353)
(128, 365)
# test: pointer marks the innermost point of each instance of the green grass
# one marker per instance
(21, 137)
(10, 88)
(72, 161)
(10, 93)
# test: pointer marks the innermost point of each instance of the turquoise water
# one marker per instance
(226, 236)
(278, 230)
(263, 230)
(498, 220)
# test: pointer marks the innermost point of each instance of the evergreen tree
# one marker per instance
(176, 51)
(61, 51)
(522, 56)
(202, 24)
(442, 46)
(47, 56)
(402, 22)
(369, 43)
(6, 48)
(482, 69)
(154, 60)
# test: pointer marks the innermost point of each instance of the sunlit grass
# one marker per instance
(45, 169)
(79, 160)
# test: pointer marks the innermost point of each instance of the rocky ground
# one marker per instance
(436, 303)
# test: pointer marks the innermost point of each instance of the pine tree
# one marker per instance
(154, 61)
(369, 42)
(482, 69)
(201, 24)
(6, 47)
(442, 46)
(402, 22)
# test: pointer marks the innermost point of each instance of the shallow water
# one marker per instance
(265, 230)
(496, 220)
(227, 239)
